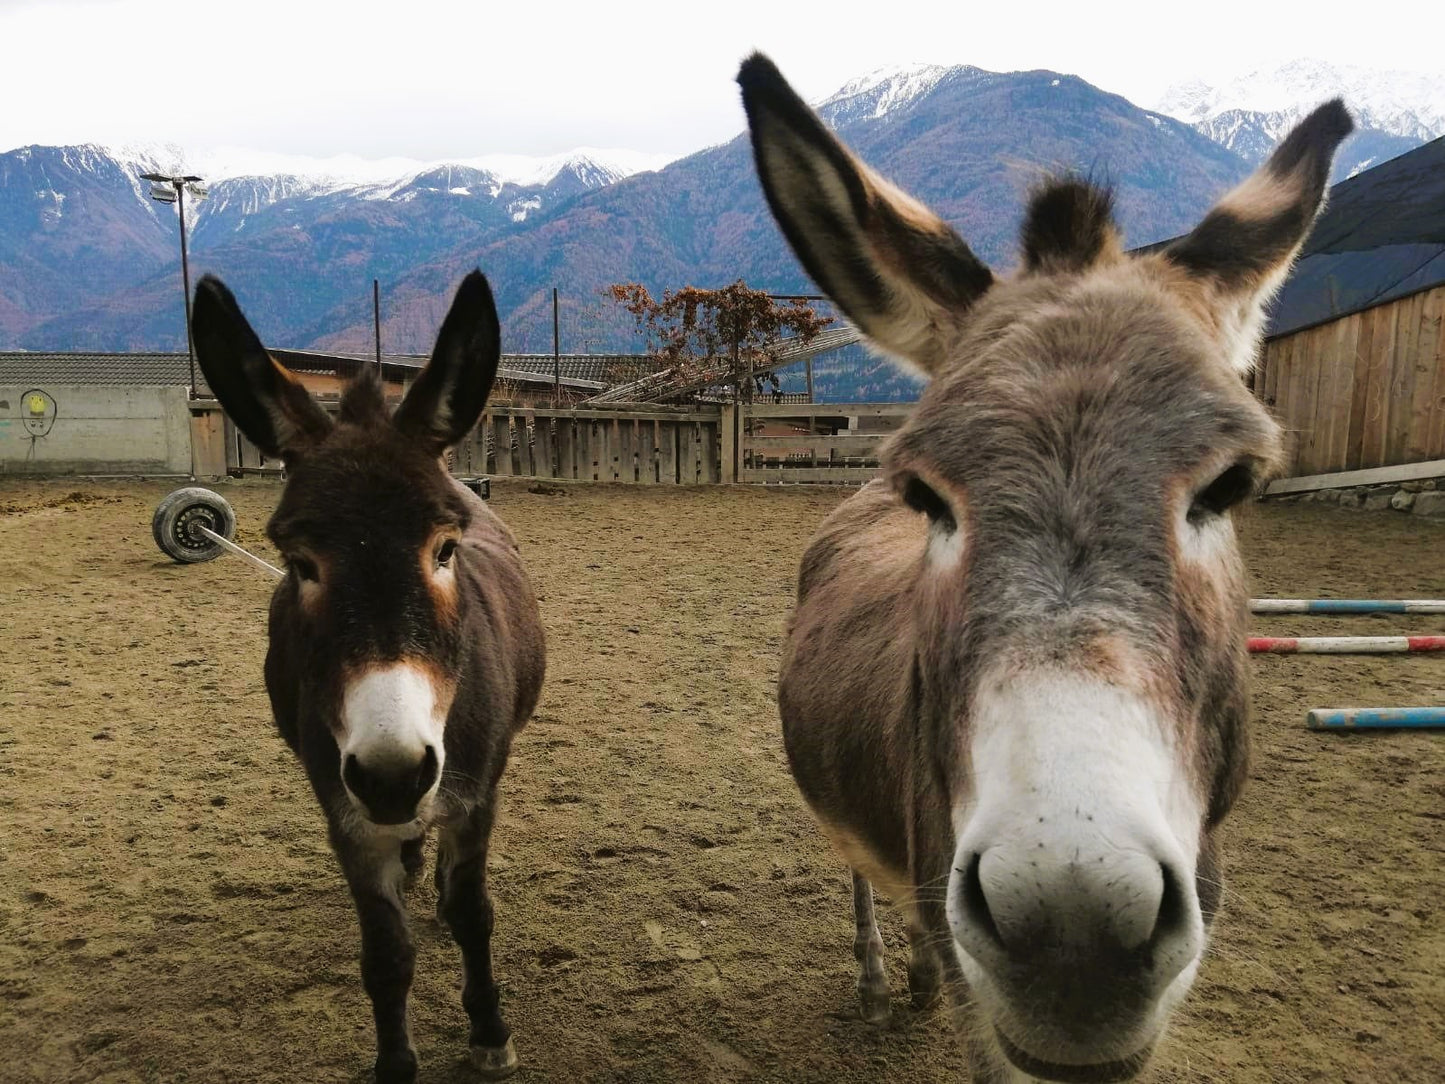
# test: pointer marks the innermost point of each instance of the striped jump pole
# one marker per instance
(1375, 718)
(1347, 606)
(1344, 645)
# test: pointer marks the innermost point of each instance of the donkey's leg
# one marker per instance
(388, 960)
(925, 970)
(868, 950)
(467, 909)
(413, 859)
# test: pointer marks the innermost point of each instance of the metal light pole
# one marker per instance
(376, 319)
(168, 189)
(556, 354)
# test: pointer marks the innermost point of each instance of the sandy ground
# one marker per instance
(169, 910)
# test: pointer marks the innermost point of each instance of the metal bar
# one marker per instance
(1374, 718)
(231, 547)
(556, 353)
(1344, 645)
(1346, 606)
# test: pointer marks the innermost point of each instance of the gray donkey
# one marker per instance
(1014, 688)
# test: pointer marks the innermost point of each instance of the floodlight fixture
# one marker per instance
(172, 189)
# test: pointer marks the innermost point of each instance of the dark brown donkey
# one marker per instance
(1014, 689)
(406, 645)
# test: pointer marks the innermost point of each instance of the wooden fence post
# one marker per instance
(727, 426)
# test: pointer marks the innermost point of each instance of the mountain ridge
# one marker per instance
(1394, 111)
(87, 261)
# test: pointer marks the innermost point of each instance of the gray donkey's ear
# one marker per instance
(901, 274)
(1243, 250)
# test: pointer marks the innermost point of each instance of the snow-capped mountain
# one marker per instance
(597, 165)
(882, 91)
(247, 181)
(77, 223)
(1394, 110)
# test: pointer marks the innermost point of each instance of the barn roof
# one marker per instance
(585, 372)
(38, 368)
(1381, 237)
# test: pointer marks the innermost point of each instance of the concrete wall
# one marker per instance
(94, 429)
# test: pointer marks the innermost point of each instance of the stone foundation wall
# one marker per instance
(1424, 498)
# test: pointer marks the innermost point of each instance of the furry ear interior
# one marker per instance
(898, 271)
(265, 401)
(1243, 250)
(448, 397)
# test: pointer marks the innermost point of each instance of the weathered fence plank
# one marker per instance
(501, 444)
(667, 459)
(711, 451)
(566, 448)
(208, 444)
(545, 462)
(646, 452)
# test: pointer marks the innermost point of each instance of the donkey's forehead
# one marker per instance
(365, 478)
(1108, 358)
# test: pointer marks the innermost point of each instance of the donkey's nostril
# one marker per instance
(975, 904)
(390, 791)
(427, 773)
(353, 776)
(1172, 921)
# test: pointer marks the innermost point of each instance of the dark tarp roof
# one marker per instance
(1381, 237)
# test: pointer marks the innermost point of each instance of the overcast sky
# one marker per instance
(435, 79)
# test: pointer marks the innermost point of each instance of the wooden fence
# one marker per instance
(653, 446)
(814, 442)
(1366, 390)
(661, 445)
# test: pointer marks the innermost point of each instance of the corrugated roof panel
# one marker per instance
(592, 372)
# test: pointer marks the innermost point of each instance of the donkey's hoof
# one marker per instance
(495, 1062)
(396, 1067)
(926, 999)
(873, 1006)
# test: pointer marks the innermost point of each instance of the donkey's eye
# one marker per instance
(921, 497)
(303, 568)
(446, 553)
(1222, 494)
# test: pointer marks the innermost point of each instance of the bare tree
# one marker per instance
(692, 330)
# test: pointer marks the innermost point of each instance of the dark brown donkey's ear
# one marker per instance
(448, 397)
(901, 274)
(269, 405)
(1242, 251)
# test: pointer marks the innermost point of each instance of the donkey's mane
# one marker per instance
(1069, 224)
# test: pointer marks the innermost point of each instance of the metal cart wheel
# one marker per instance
(180, 513)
